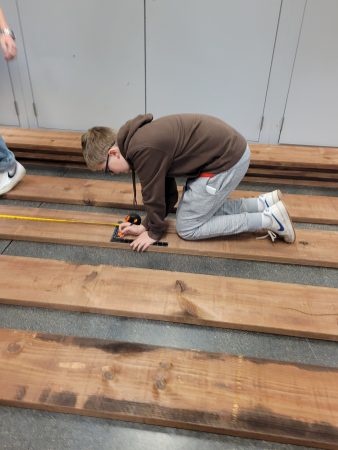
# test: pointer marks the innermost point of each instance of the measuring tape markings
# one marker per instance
(114, 238)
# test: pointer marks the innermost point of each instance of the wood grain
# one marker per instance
(262, 154)
(276, 181)
(42, 139)
(214, 392)
(296, 174)
(225, 302)
(314, 248)
(302, 208)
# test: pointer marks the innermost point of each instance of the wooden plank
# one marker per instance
(28, 138)
(47, 157)
(303, 208)
(43, 164)
(302, 177)
(275, 181)
(295, 156)
(225, 302)
(282, 172)
(314, 248)
(215, 392)
(293, 174)
(262, 154)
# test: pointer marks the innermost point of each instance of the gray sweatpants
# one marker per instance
(204, 210)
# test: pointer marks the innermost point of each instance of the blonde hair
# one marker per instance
(95, 145)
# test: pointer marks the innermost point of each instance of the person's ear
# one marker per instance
(114, 151)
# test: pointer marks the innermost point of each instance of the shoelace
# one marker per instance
(270, 234)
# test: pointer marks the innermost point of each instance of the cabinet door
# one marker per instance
(85, 59)
(7, 109)
(211, 57)
(311, 114)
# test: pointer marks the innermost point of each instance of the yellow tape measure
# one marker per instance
(47, 219)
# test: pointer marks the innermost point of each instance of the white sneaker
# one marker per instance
(269, 199)
(9, 179)
(281, 223)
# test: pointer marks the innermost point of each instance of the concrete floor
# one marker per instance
(22, 429)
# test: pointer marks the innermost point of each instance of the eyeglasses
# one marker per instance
(107, 170)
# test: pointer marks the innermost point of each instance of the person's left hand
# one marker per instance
(8, 46)
(142, 242)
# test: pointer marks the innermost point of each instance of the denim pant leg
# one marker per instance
(7, 158)
(199, 213)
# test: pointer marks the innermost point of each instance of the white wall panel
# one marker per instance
(7, 111)
(289, 27)
(311, 114)
(85, 60)
(212, 57)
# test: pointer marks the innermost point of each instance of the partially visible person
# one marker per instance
(11, 171)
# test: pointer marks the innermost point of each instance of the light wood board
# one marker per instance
(302, 208)
(262, 154)
(225, 302)
(315, 248)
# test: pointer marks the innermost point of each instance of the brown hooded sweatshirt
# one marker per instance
(180, 145)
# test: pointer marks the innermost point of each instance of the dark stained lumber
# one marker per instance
(304, 174)
(275, 181)
(225, 302)
(49, 157)
(262, 154)
(214, 392)
(43, 164)
(250, 178)
(303, 208)
(313, 248)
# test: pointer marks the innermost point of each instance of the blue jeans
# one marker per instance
(7, 158)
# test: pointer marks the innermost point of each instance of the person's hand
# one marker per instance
(8, 46)
(141, 243)
(127, 228)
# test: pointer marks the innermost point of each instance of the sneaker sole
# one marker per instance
(285, 215)
(21, 172)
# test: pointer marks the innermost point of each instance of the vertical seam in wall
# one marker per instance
(26, 59)
(272, 58)
(293, 67)
(12, 88)
(145, 54)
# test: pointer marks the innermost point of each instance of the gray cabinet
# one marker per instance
(311, 114)
(85, 60)
(8, 114)
(211, 56)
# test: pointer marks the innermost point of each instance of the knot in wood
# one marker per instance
(161, 383)
(108, 375)
(14, 347)
(180, 286)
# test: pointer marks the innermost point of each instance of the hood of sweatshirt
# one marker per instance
(127, 131)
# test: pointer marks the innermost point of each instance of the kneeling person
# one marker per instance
(209, 153)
